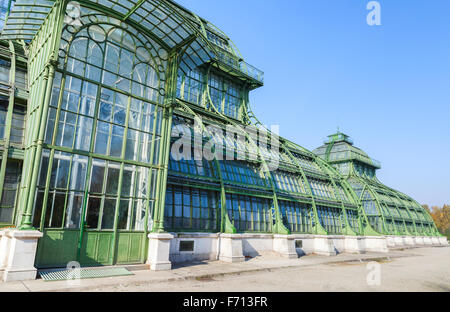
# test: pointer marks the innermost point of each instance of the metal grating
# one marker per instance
(83, 273)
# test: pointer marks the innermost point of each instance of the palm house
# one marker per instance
(97, 99)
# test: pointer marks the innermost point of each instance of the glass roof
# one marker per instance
(25, 18)
(167, 22)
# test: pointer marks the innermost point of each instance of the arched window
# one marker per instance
(102, 140)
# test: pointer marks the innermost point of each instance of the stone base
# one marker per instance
(20, 256)
(390, 241)
(231, 248)
(409, 241)
(324, 246)
(4, 252)
(399, 241)
(158, 251)
(354, 244)
(284, 245)
(376, 243)
(443, 240)
(427, 241)
(435, 241)
(19, 275)
(418, 241)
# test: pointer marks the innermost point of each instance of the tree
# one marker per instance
(441, 217)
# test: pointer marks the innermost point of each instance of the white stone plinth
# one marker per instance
(427, 241)
(354, 244)
(443, 240)
(376, 243)
(4, 251)
(435, 241)
(231, 248)
(390, 241)
(323, 245)
(21, 255)
(284, 245)
(158, 251)
(409, 241)
(399, 241)
(418, 241)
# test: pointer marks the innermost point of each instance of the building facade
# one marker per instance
(98, 98)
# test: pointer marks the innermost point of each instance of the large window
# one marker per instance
(297, 216)
(242, 173)
(4, 100)
(103, 132)
(331, 219)
(250, 214)
(18, 124)
(224, 93)
(191, 209)
(10, 187)
(322, 189)
(288, 182)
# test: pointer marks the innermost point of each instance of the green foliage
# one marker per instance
(441, 217)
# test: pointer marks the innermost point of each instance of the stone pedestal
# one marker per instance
(376, 243)
(409, 241)
(399, 242)
(354, 244)
(231, 248)
(284, 245)
(323, 245)
(158, 251)
(390, 241)
(21, 255)
(427, 241)
(4, 251)
(418, 241)
(435, 241)
(443, 240)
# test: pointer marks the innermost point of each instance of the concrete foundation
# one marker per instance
(376, 243)
(435, 241)
(427, 241)
(409, 241)
(21, 246)
(4, 252)
(323, 245)
(205, 247)
(254, 245)
(354, 244)
(390, 241)
(418, 241)
(284, 245)
(443, 240)
(159, 251)
(231, 248)
(399, 241)
(18, 248)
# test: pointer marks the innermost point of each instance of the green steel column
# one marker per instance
(43, 113)
(40, 116)
(166, 131)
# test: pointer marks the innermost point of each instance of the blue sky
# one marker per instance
(387, 86)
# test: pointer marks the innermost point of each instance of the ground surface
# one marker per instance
(418, 269)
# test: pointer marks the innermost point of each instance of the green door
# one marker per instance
(105, 225)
